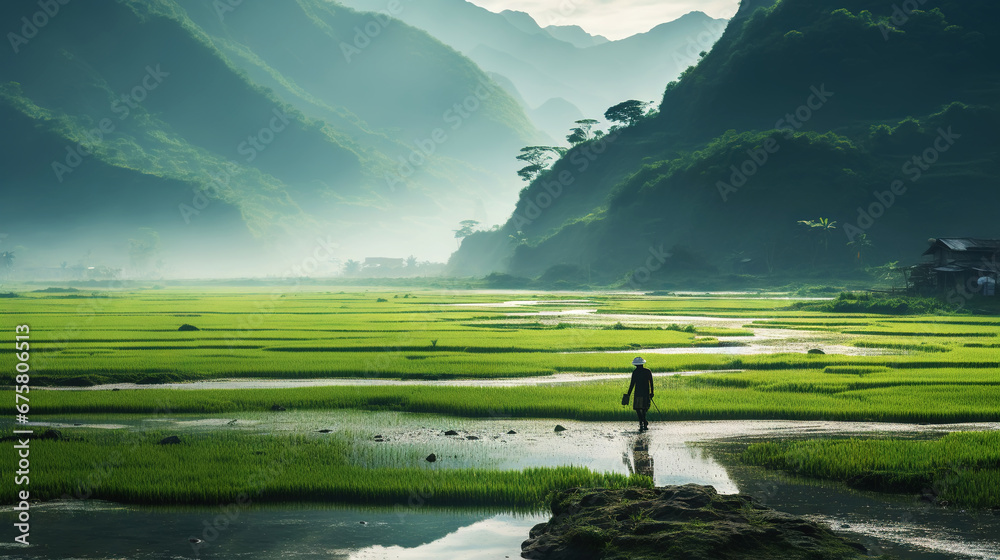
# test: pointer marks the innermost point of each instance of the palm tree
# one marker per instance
(860, 245)
(352, 267)
(824, 226)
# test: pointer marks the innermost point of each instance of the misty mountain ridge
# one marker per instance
(563, 62)
(883, 136)
(230, 138)
(572, 34)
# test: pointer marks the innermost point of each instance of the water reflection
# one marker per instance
(492, 538)
(96, 530)
(641, 462)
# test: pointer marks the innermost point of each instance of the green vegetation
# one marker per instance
(959, 468)
(848, 302)
(910, 368)
(222, 468)
(908, 396)
(333, 127)
(134, 337)
(725, 153)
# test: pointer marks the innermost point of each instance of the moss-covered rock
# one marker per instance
(689, 522)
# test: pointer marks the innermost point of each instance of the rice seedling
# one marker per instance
(908, 396)
(960, 468)
(224, 468)
(943, 371)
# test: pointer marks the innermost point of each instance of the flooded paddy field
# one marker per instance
(481, 380)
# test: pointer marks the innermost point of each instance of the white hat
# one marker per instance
(638, 361)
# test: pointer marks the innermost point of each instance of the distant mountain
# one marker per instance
(572, 34)
(564, 62)
(242, 134)
(523, 22)
(575, 35)
(881, 120)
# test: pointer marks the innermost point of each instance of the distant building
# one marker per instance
(955, 263)
(384, 263)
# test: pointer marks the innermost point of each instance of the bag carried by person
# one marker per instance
(624, 399)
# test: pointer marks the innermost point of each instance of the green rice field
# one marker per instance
(228, 468)
(959, 468)
(749, 352)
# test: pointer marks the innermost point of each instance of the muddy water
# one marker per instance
(672, 453)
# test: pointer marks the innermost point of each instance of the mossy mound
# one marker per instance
(689, 522)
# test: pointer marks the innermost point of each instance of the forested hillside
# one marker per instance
(239, 131)
(804, 114)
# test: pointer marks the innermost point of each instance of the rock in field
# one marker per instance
(170, 440)
(815, 351)
(560, 428)
(431, 458)
(47, 434)
(451, 433)
(187, 327)
(689, 522)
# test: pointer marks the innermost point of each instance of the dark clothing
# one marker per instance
(640, 403)
(642, 381)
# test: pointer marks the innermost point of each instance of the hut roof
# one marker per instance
(964, 244)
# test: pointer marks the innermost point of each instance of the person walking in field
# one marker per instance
(642, 382)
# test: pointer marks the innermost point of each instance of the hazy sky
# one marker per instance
(614, 19)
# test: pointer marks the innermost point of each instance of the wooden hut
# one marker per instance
(955, 263)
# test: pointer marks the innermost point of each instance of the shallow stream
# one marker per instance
(673, 453)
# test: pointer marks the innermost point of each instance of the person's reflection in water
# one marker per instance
(641, 461)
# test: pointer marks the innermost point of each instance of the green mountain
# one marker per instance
(241, 131)
(878, 117)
